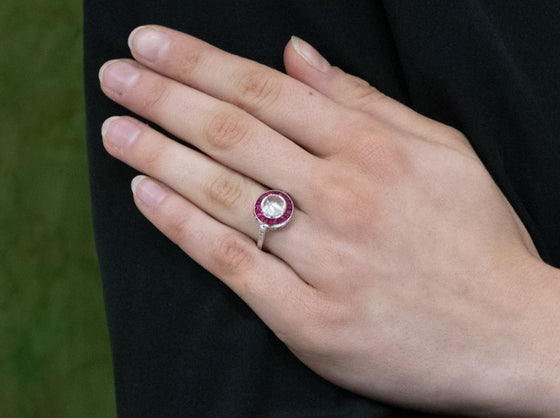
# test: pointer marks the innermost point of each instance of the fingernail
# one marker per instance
(106, 124)
(119, 133)
(118, 75)
(310, 54)
(135, 181)
(147, 190)
(149, 43)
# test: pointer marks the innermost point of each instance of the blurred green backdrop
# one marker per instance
(54, 349)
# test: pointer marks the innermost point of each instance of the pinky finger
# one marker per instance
(266, 283)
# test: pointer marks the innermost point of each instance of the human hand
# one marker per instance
(404, 275)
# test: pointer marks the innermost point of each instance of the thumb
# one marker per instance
(304, 63)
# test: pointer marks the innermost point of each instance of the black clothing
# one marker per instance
(184, 345)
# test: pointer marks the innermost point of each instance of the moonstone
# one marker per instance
(273, 206)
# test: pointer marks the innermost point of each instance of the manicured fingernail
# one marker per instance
(151, 44)
(147, 190)
(118, 75)
(119, 133)
(310, 54)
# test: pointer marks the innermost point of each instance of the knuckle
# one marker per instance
(150, 161)
(353, 210)
(349, 203)
(188, 62)
(319, 327)
(156, 98)
(353, 81)
(362, 94)
(224, 190)
(258, 89)
(375, 152)
(368, 95)
(338, 188)
(226, 129)
(451, 134)
(231, 255)
(176, 224)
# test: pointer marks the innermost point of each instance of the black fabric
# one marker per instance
(183, 344)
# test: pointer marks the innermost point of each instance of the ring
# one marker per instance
(273, 210)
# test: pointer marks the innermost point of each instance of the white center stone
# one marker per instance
(273, 206)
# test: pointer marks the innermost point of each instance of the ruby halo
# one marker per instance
(274, 209)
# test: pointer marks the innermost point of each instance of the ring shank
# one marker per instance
(262, 233)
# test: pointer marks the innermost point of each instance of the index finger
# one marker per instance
(285, 104)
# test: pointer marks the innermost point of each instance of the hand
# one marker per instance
(404, 275)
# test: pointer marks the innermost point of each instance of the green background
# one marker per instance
(54, 348)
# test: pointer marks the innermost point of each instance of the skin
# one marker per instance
(404, 274)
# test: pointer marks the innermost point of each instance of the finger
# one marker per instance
(268, 285)
(304, 63)
(220, 129)
(219, 191)
(285, 104)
